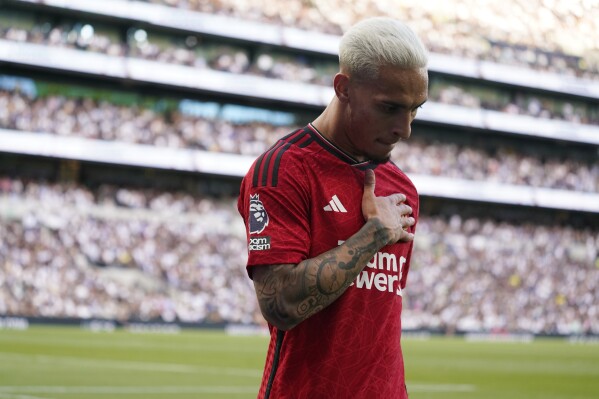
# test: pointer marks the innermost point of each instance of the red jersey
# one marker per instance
(299, 199)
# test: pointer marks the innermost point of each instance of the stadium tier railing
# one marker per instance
(274, 90)
(306, 41)
(233, 165)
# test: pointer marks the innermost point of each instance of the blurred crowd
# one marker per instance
(557, 36)
(482, 275)
(504, 164)
(513, 102)
(85, 117)
(193, 52)
(454, 34)
(67, 250)
(182, 50)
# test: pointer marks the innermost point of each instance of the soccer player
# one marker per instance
(330, 222)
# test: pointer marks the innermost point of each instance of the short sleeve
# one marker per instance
(274, 203)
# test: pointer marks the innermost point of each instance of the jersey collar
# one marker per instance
(338, 152)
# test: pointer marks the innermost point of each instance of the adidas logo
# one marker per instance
(335, 206)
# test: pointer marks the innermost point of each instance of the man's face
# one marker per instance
(380, 111)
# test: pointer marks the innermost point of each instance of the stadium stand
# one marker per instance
(123, 139)
(202, 53)
(131, 254)
(186, 249)
(448, 29)
(81, 116)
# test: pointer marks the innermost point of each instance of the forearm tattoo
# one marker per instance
(289, 294)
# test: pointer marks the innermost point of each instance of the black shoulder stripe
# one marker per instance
(285, 138)
(266, 164)
(257, 170)
(262, 164)
(306, 142)
(275, 169)
(298, 137)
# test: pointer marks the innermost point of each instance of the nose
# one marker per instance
(402, 127)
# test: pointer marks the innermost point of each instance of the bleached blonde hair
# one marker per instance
(380, 41)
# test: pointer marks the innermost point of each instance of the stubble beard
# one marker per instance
(380, 160)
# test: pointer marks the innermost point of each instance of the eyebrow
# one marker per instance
(401, 105)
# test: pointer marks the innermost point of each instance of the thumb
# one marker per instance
(369, 182)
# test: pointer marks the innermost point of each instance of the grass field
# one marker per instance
(61, 362)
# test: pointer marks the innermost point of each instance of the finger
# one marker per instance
(407, 237)
(408, 222)
(405, 234)
(404, 209)
(397, 198)
(369, 182)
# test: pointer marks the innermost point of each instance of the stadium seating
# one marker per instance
(83, 117)
(131, 254)
(104, 245)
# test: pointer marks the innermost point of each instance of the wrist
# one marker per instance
(381, 234)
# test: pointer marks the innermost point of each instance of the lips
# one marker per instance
(389, 143)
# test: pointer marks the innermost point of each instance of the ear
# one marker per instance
(341, 85)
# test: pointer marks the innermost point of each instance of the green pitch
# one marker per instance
(71, 363)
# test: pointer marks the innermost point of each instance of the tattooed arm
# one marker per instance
(289, 294)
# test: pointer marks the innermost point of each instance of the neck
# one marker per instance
(329, 122)
(331, 125)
